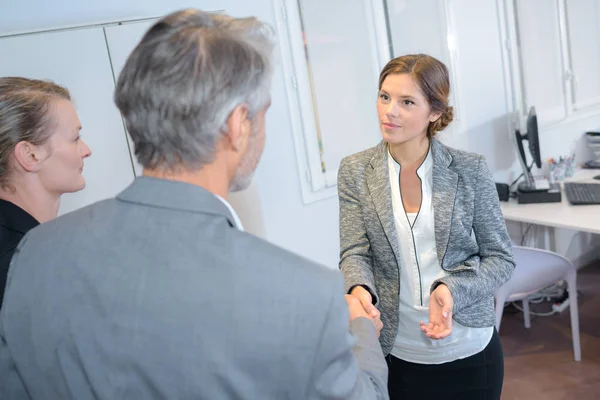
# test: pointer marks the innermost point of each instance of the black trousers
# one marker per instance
(478, 377)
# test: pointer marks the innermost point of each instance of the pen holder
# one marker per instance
(560, 169)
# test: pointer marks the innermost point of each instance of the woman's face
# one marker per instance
(403, 111)
(61, 170)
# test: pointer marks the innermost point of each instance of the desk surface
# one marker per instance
(585, 218)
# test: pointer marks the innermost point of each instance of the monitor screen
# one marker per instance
(533, 140)
(533, 137)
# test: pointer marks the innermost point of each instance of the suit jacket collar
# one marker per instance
(445, 183)
(174, 195)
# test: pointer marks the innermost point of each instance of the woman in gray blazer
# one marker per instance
(423, 239)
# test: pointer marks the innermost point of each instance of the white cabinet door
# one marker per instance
(78, 59)
(541, 60)
(121, 40)
(583, 18)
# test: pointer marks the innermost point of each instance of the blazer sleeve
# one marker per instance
(496, 262)
(11, 384)
(356, 262)
(348, 365)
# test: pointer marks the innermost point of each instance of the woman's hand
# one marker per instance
(366, 301)
(440, 314)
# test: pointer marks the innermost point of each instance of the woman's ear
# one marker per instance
(29, 156)
(434, 116)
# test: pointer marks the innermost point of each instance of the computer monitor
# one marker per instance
(533, 140)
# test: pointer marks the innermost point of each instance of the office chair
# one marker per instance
(535, 270)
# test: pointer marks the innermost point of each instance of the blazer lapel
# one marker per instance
(379, 189)
(445, 185)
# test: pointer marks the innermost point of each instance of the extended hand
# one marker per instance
(366, 301)
(440, 314)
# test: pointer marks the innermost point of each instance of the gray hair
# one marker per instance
(183, 80)
(24, 116)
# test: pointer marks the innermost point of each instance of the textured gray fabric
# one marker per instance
(464, 201)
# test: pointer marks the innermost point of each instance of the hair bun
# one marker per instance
(443, 121)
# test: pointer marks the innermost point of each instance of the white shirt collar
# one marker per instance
(426, 165)
(424, 168)
(236, 219)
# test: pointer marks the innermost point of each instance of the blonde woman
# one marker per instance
(41, 158)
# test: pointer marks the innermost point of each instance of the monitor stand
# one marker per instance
(528, 193)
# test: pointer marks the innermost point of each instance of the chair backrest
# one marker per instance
(535, 269)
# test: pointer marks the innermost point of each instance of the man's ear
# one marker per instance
(238, 128)
(29, 156)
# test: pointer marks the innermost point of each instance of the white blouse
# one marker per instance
(419, 268)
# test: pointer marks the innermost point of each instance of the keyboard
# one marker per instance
(582, 193)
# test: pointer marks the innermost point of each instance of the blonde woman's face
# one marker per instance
(62, 168)
(403, 111)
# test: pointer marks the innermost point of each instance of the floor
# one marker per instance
(539, 361)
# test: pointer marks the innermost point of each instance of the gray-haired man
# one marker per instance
(158, 293)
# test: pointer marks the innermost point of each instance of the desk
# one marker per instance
(558, 215)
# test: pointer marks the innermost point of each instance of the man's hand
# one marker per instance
(366, 302)
(440, 314)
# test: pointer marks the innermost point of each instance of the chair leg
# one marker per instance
(499, 311)
(526, 315)
(574, 310)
